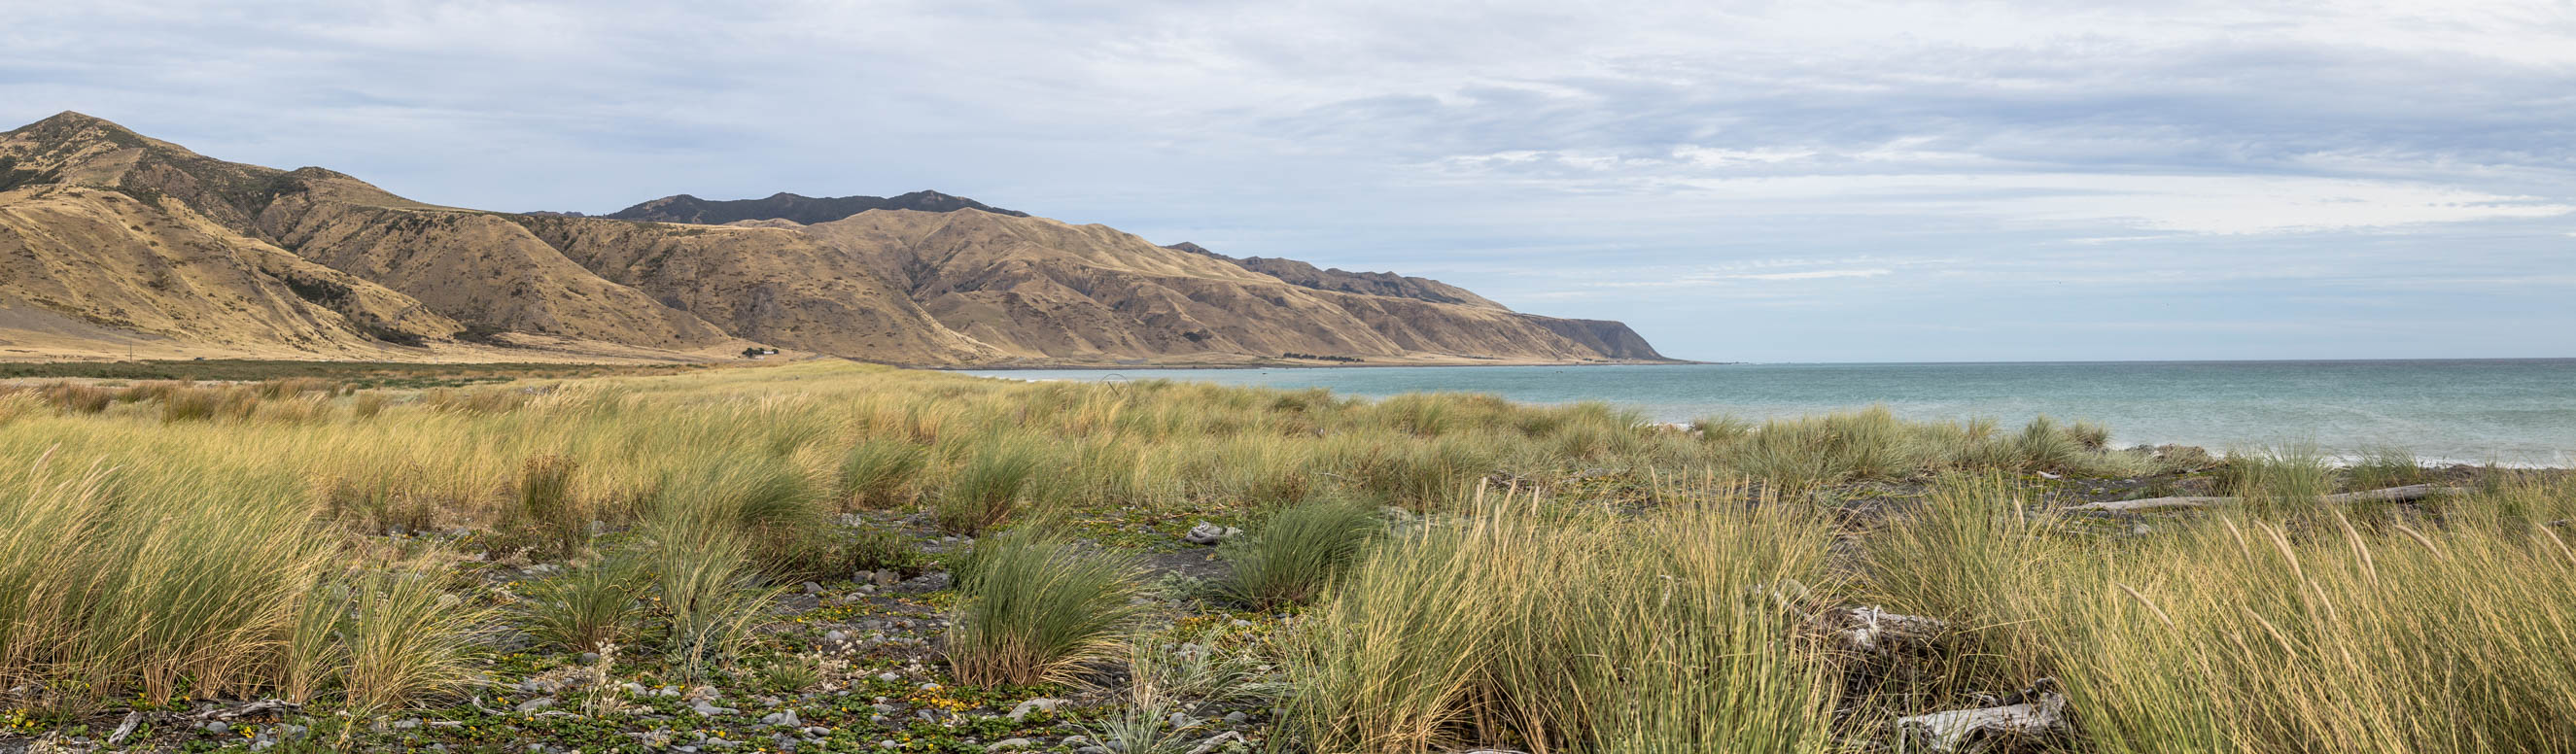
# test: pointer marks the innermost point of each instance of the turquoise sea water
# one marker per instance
(2514, 411)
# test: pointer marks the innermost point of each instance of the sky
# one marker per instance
(1739, 181)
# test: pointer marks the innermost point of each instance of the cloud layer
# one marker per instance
(1741, 181)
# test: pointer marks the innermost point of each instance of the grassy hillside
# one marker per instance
(841, 557)
(112, 242)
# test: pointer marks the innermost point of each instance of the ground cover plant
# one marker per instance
(844, 557)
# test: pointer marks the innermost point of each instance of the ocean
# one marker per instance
(2519, 412)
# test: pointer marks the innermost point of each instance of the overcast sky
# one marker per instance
(1793, 181)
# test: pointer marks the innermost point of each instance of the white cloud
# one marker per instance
(1688, 146)
(1809, 274)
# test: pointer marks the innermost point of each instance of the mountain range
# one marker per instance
(114, 243)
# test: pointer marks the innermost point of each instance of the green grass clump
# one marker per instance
(1972, 539)
(2381, 468)
(1291, 557)
(761, 501)
(586, 609)
(875, 473)
(408, 641)
(993, 484)
(1668, 633)
(546, 503)
(1034, 608)
(99, 601)
(709, 601)
(2295, 476)
(2243, 635)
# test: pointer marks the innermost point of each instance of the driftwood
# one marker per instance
(275, 706)
(125, 729)
(1870, 630)
(2404, 494)
(2036, 714)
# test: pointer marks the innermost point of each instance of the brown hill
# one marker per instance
(805, 210)
(1046, 290)
(1334, 279)
(110, 238)
(120, 234)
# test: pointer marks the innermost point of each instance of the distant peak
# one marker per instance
(69, 122)
(806, 210)
(1195, 249)
(78, 118)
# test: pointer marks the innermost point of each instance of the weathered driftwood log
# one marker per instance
(125, 729)
(262, 706)
(2036, 714)
(1874, 631)
(2407, 493)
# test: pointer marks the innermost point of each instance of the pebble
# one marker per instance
(710, 710)
(1237, 718)
(813, 588)
(889, 677)
(835, 637)
(219, 727)
(887, 744)
(1040, 704)
(1205, 533)
(536, 704)
(587, 658)
(1011, 743)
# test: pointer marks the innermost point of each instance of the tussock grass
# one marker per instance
(2293, 476)
(1035, 608)
(709, 601)
(2246, 634)
(1003, 473)
(96, 601)
(547, 504)
(408, 641)
(206, 539)
(368, 404)
(15, 404)
(586, 609)
(877, 471)
(1596, 633)
(76, 398)
(2386, 467)
(1293, 555)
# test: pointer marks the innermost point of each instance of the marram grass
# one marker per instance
(227, 540)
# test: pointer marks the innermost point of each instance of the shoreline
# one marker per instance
(1222, 367)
